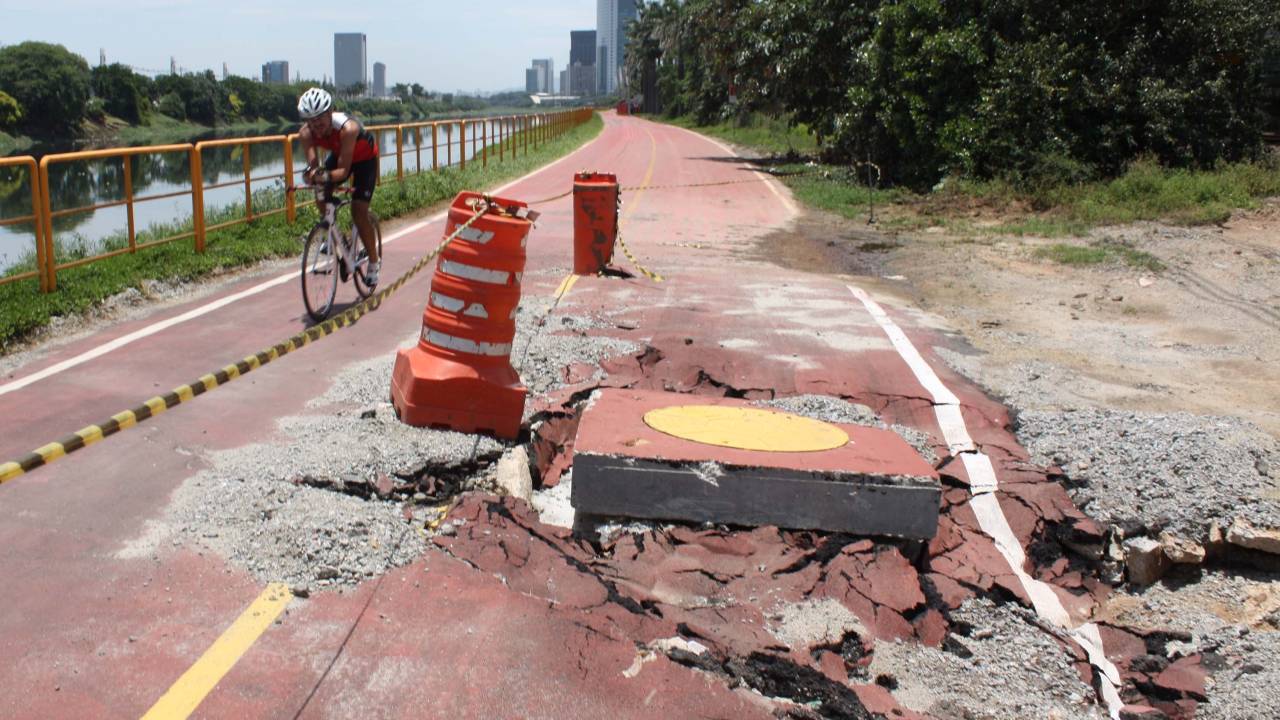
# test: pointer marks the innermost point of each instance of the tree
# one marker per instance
(10, 112)
(122, 92)
(49, 82)
(171, 104)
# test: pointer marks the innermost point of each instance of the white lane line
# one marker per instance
(983, 483)
(154, 328)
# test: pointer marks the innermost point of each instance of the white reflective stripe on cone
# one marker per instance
(471, 272)
(444, 302)
(451, 342)
(477, 236)
(477, 310)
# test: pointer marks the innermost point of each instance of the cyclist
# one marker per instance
(353, 153)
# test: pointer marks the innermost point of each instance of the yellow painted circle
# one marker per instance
(746, 428)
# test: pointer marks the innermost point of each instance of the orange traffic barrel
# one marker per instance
(595, 221)
(459, 375)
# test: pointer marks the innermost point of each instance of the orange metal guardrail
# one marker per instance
(35, 218)
(52, 266)
(244, 144)
(511, 133)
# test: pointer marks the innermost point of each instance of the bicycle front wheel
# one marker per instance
(362, 288)
(319, 274)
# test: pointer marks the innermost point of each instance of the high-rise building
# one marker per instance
(531, 80)
(275, 72)
(612, 18)
(582, 47)
(350, 61)
(581, 72)
(582, 80)
(602, 69)
(545, 68)
(379, 79)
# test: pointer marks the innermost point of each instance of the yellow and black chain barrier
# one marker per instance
(636, 263)
(160, 403)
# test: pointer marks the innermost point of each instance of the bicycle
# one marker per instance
(319, 260)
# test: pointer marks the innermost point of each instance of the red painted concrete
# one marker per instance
(534, 623)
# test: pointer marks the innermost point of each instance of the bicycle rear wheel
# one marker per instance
(319, 274)
(362, 288)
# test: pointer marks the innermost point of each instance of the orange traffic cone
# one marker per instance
(459, 375)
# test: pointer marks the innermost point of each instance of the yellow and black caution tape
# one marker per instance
(160, 403)
(636, 263)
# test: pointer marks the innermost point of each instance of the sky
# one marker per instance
(444, 46)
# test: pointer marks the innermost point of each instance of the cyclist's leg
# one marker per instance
(365, 179)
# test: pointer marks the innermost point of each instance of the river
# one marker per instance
(86, 183)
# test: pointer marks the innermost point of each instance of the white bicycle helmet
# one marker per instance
(313, 103)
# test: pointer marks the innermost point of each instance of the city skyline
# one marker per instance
(412, 40)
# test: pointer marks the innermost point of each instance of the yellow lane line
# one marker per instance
(185, 695)
(565, 284)
(648, 176)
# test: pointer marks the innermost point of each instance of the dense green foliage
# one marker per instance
(124, 93)
(1040, 92)
(1144, 191)
(49, 82)
(10, 111)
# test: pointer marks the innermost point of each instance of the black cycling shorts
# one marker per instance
(364, 176)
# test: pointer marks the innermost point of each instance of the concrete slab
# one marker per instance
(875, 484)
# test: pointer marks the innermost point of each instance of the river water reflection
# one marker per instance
(85, 183)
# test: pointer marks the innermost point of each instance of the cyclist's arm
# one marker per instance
(346, 153)
(309, 150)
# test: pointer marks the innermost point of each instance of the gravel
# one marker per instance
(277, 508)
(806, 624)
(1013, 670)
(1151, 471)
(547, 344)
(248, 508)
(1235, 621)
(838, 410)
(1177, 472)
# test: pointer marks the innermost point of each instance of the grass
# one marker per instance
(24, 309)
(162, 130)
(1098, 253)
(774, 136)
(1146, 191)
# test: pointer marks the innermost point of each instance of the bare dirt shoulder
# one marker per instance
(1200, 336)
(1156, 392)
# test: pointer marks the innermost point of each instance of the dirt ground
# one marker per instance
(1201, 336)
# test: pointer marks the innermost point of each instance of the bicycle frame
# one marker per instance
(337, 238)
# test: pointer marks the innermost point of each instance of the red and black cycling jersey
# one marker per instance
(366, 144)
